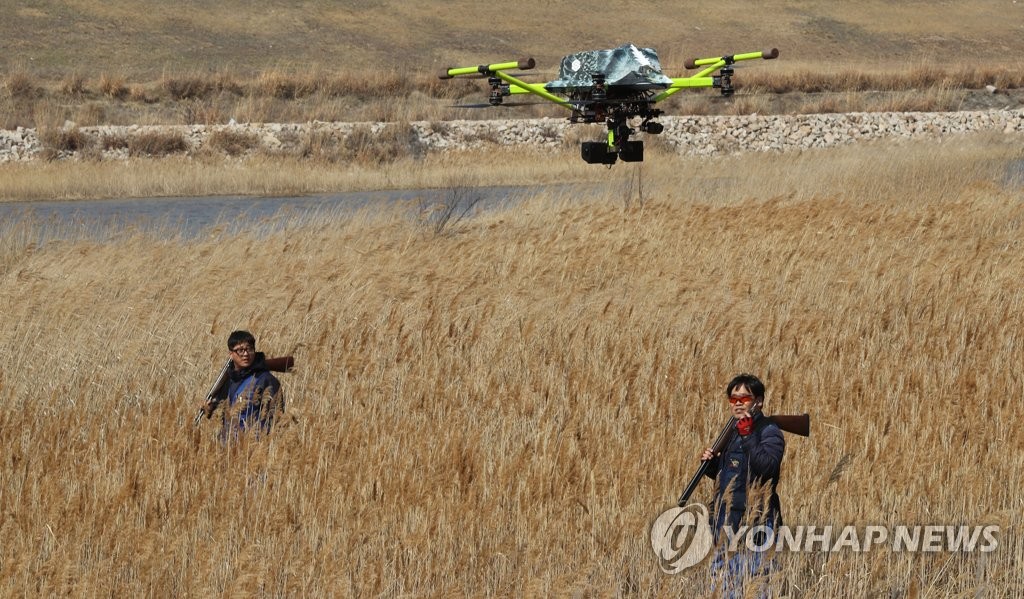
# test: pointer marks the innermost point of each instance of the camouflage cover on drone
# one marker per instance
(623, 66)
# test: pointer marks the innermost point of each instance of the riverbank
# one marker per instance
(375, 143)
(320, 157)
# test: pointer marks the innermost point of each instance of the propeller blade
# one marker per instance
(516, 74)
(503, 104)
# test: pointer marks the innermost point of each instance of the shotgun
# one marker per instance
(797, 424)
(282, 364)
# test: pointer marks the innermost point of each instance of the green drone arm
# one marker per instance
(687, 82)
(703, 77)
(515, 85)
(486, 70)
(719, 61)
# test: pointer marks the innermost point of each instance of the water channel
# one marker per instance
(190, 216)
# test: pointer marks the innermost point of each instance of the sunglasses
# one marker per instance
(738, 399)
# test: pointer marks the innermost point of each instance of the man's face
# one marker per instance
(741, 401)
(242, 355)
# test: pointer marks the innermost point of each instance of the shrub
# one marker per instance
(91, 114)
(112, 141)
(73, 85)
(201, 111)
(138, 93)
(113, 86)
(22, 86)
(233, 142)
(187, 88)
(286, 87)
(56, 142)
(67, 140)
(388, 144)
(363, 145)
(367, 85)
(157, 143)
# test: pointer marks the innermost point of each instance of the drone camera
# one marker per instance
(596, 152)
(652, 127)
(632, 151)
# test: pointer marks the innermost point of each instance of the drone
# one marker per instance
(612, 86)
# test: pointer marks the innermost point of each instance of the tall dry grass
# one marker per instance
(317, 164)
(303, 94)
(503, 409)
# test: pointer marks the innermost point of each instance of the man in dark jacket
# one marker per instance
(747, 474)
(253, 395)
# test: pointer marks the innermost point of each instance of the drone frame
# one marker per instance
(613, 105)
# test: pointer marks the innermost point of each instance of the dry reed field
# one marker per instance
(504, 407)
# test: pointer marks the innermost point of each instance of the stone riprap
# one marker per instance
(690, 135)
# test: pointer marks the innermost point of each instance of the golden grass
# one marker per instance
(302, 95)
(502, 410)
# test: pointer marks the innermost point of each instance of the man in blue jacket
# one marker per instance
(252, 396)
(747, 475)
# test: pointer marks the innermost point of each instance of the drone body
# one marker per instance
(611, 86)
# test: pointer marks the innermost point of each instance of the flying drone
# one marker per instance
(611, 86)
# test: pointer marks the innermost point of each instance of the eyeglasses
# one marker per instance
(243, 350)
(738, 399)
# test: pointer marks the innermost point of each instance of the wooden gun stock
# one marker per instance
(284, 364)
(795, 424)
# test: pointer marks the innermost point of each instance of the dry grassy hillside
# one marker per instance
(132, 62)
(503, 409)
(144, 39)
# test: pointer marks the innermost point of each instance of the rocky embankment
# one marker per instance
(693, 135)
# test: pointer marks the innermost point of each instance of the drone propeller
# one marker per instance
(489, 105)
(611, 102)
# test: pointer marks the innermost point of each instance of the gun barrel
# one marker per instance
(214, 388)
(717, 447)
(690, 488)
